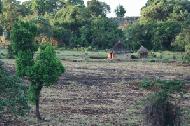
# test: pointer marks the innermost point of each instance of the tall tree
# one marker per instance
(9, 13)
(98, 8)
(182, 39)
(163, 10)
(0, 6)
(120, 11)
(47, 6)
(76, 2)
(104, 33)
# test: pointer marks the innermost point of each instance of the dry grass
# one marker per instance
(103, 93)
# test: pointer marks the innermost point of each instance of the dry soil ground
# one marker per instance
(104, 93)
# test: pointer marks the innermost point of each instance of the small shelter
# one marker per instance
(118, 48)
(119, 52)
(143, 52)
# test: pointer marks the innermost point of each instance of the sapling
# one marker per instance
(45, 72)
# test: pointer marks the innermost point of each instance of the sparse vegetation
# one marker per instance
(112, 64)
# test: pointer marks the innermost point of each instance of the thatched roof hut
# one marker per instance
(143, 52)
(119, 47)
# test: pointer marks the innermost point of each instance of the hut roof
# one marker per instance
(118, 47)
(142, 50)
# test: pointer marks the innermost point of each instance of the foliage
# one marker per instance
(63, 36)
(182, 39)
(163, 10)
(97, 8)
(187, 53)
(0, 6)
(47, 68)
(104, 33)
(45, 72)
(156, 36)
(9, 14)
(159, 109)
(12, 95)
(76, 2)
(22, 40)
(139, 34)
(120, 11)
(46, 6)
(161, 26)
(164, 35)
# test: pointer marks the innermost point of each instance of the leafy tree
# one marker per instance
(45, 72)
(187, 53)
(69, 20)
(13, 98)
(0, 6)
(47, 6)
(182, 39)
(139, 34)
(71, 17)
(163, 10)
(97, 8)
(9, 14)
(22, 40)
(156, 36)
(26, 8)
(120, 11)
(62, 35)
(164, 35)
(104, 33)
(76, 2)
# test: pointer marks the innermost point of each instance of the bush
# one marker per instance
(159, 110)
(13, 95)
(186, 57)
(22, 43)
(134, 57)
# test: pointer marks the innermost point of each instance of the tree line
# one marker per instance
(70, 23)
(163, 25)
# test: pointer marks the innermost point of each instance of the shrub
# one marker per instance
(159, 110)
(13, 95)
(134, 57)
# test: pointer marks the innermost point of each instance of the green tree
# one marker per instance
(46, 6)
(0, 6)
(139, 34)
(9, 14)
(164, 35)
(97, 8)
(104, 33)
(182, 39)
(13, 98)
(163, 10)
(22, 41)
(76, 2)
(70, 19)
(45, 72)
(120, 11)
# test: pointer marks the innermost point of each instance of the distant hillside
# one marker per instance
(123, 22)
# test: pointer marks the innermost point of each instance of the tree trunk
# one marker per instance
(38, 102)
(38, 108)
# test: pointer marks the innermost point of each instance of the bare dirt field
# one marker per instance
(104, 93)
